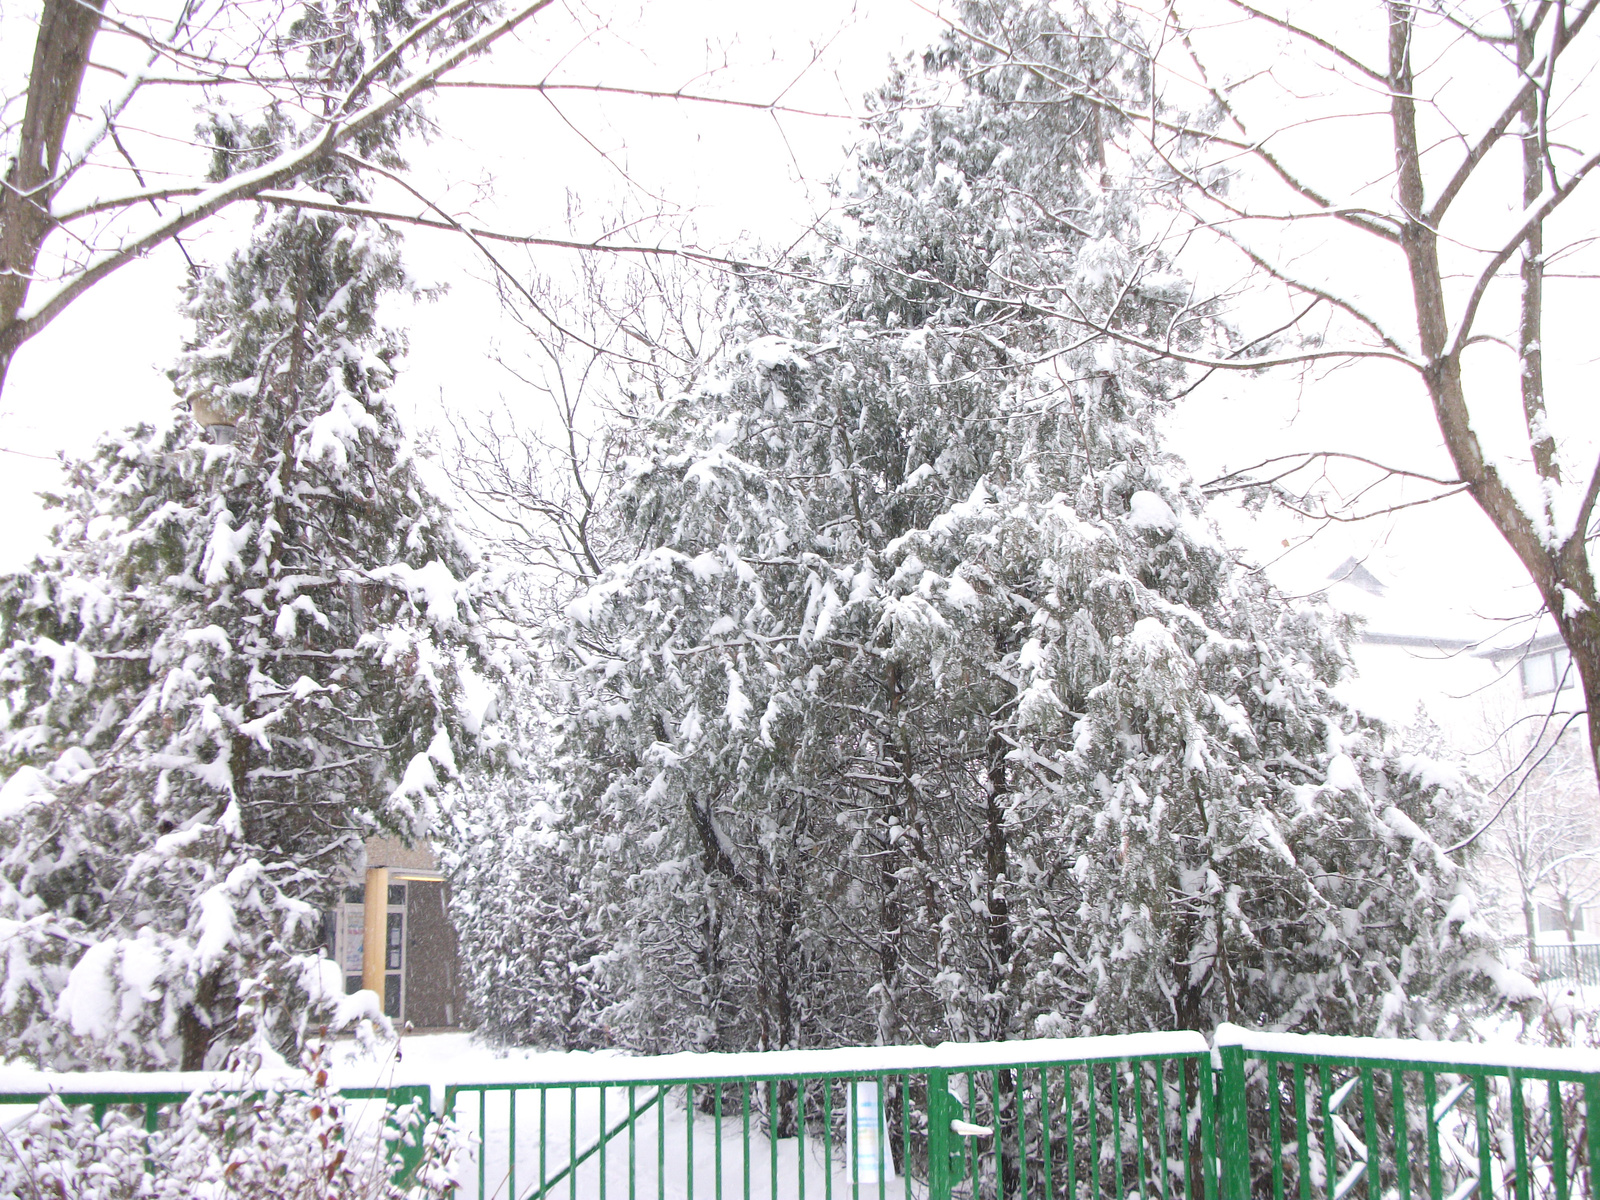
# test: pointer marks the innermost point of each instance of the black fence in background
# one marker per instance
(1579, 963)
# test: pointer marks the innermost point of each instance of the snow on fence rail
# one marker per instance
(1118, 1118)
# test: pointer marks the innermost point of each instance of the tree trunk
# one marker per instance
(60, 57)
(197, 1024)
(1559, 568)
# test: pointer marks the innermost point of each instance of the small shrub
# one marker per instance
(262, 1142)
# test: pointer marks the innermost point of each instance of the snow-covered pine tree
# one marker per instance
(236, 662)
(930, 705)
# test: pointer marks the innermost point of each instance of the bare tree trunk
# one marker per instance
(1560, 571)
(61, 55)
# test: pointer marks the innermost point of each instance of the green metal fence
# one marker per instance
(1148, 1117)
(1111, 1117)
(1329, 1117)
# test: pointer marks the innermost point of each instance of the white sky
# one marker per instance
(512, 160)
(102, 364)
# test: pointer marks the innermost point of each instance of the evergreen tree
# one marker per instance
(530, 949)
(236, 663)
(930, 705)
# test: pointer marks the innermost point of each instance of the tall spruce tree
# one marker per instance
(930, 705)
(236, 662)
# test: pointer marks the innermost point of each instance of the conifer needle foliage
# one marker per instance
(236, 662)
(926, 702)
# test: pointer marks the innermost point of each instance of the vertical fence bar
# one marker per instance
(603, 1141)
(1302, 1123)
(969, 1148)
(633, 1141)
(152, 1123)
(1480, 1104)
(998, 1142)
(1369, 1119)
(511, 1147)
(800, 1133)
(688, 1137)
(1235, 1131)
(1591, 1129)
(853, 1142)
(1161, 1128)
(1558, 1141)
(1519, 1134)
(827, 1139)
(1185, 1142)
(1208, 1130)
(905, 1138)
(1072, 1133)
(1138, 1123)
(544, 1129)
(716, 1135)
(661, 1141)
(1118, 1180)
(1430, 1097)
(1402, 1137)
(1330, 1165)
(572, 1144)
(1045, 1140)
(774, 1092)
(1091, 1097)
(744, 1104)
(1019, 1105)
(881, 1134)
(483, 1141)
(1274, 1125)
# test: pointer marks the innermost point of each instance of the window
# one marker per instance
(1542, 673)
(1550, 919)
(393, 961)
(352, 931)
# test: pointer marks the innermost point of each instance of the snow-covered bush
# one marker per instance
(260, 1140)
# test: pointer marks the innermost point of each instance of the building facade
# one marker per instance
(391, 934)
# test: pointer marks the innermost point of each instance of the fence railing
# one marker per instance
(1565, 960)
(1312, 1116)
(1144, 1117)
(1112, 1116)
